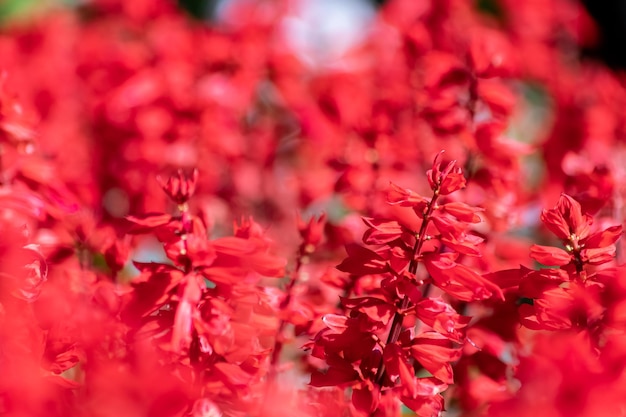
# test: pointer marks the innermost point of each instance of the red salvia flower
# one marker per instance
(568, 223)
(373, 367)
(180, 188)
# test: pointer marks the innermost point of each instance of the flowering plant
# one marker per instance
(205, 218)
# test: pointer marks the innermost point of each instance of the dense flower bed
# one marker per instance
(199, 220)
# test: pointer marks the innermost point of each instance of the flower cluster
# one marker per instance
(374, 350)
(206, 218)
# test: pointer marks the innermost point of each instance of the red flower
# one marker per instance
(311, 232)
(567, 220)
(458, 280)
(179, 188)
(445, 181)
(444, 319)
(435, 352)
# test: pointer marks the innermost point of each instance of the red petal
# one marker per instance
(340, 373)
(362, 261)
(145, 223)
(598, 256)
(425, 406)
(435, 352)
(462, 211)
(376, 309)
(604, 238)
(232, 375)
(335, 322)
(381, 231)
(459, 280)
(404, 197)
(365, 399)
(548, 255)
(231, 245)
(507, 278)
(440, 315)
(397, 367)
(22, 202)
(268, 265)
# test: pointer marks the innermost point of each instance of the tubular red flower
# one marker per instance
(180, 187)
